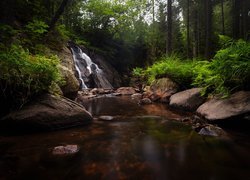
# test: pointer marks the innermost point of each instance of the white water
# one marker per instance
(91, 67)
(82, 85)
(89, 62)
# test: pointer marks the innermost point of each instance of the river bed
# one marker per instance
(141, 142)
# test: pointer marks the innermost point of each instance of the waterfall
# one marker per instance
(88, 72)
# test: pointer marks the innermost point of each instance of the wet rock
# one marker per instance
(71, 86)
(116, 94)
(45, 113)
(67, 69)
(101, 91)
(211, 130)
(106, 118)
(126, 90)
(65, 150)
(162, 89)
(221, 109)
(145, 101)
(189, 100)
(136, 96)
(85, 95)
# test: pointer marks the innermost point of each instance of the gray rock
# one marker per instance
(136, 96)
(45, 113)
(220, 109)
(161, 90)
(211, 130)
(145, 101)
(126, 90)
(106, 118)
(189, 100)
(67, 69)
(65, 150)
(71, 85)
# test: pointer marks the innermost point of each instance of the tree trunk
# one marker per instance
(196, 33)
(222, 18)
(208, 33)
(169, 28)
(236, 19)
(188, 29)
(58, 14)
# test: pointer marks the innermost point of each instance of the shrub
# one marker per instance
(228, 71)
(173, 67)
(24, 75)
(36, 28)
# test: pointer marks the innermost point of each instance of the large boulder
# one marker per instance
(71, 85)
(161, 90)
(67, 69)
(220, 109)
(189, 99)
(47, 112)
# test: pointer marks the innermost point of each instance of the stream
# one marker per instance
(141, 142)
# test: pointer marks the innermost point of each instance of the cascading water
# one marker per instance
(88, 71)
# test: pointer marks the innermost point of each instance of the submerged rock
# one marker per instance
(145, 101)
(47, 112)
(211, 130)
(65, 150)
(106, 118)
(220, 109)
(189, 100)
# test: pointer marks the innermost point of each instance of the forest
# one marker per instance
(198, 43)
(124, 89)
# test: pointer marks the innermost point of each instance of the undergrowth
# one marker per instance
(227, 72)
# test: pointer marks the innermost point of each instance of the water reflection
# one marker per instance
(141, 145)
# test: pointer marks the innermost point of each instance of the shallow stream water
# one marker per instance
(141, 142)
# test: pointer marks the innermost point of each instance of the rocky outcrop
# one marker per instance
(161, 90)
(188, 100)
(110, 72)
(67, 69)
(71, 85)
(126, 90)
(45, 113)
(220, 109)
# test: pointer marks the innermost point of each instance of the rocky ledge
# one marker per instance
(46, 113)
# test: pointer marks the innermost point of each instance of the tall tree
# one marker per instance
(222, 18)
(236, 18)
(188, 29)
(58, 14)
(169, 28)
(208, 30)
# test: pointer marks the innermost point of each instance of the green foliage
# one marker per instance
(6, 35)
(138, 72)
(24, 75)
(178, 70)
(228, 71)
(36, 28)
(63, 32)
